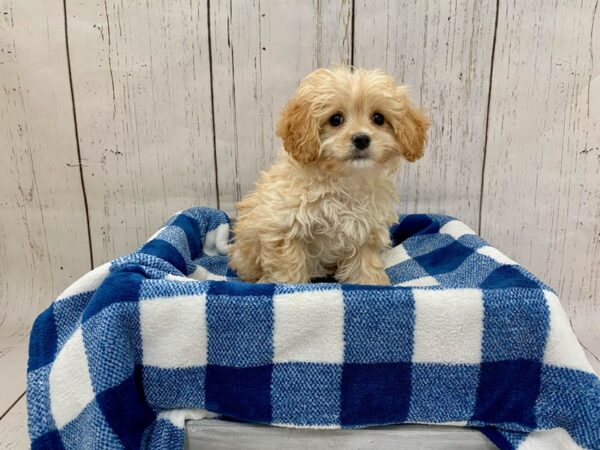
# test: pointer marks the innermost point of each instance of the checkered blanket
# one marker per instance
(465, 337)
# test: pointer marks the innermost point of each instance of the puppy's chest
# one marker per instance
(334, 220)
(338, 214)
(339, 224)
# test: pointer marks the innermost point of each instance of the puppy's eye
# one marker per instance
(336, 120)
(378, 119)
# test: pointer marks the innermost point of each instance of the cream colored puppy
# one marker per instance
(326, 207)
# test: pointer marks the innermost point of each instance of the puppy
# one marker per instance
(326, 207)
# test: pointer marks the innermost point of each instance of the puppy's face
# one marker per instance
(343, 119)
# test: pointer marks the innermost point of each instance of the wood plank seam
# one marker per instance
(212, 105)
(352, 11)
(13, 428)
(85, 200)
(12, 406)
(487, 117)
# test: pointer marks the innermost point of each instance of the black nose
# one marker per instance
(361, 141)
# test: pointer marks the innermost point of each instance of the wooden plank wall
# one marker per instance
(261, 50)
(120, 113)
(442, 50)
(541, 196)
(142, 92)
(44, 242)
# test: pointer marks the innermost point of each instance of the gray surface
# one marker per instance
(218, 434)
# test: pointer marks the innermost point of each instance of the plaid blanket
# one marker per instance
(465, 336)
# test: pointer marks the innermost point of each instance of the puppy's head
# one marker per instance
(341, 118)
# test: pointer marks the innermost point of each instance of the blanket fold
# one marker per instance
(464, 336)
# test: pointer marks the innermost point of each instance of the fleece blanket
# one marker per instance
(464, 336)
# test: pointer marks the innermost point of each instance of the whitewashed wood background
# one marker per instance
(115, 114)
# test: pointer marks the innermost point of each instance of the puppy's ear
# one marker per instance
(299, 131)
(411, 131)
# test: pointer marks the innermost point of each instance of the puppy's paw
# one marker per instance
(373, 277)
(376, 277)
(265, 279)
(288, 278)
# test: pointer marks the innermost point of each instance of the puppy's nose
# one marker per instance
(361, 140)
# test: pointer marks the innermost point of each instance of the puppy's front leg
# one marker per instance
(284, 261)
(365, 267)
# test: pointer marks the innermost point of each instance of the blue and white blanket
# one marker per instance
(465, 336)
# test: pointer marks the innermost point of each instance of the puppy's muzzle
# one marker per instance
(361, 141)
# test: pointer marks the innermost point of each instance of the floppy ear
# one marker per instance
(299, 131)
(411, 132)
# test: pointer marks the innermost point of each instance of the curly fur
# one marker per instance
(321, 210)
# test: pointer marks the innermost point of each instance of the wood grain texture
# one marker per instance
(43, 231)
(260, 52)
(141, 80)
(13, 428)
(13, 369)
(541, 200)
(442, 50)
